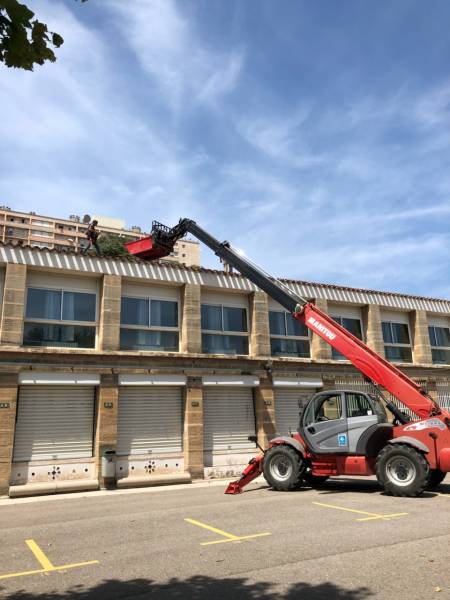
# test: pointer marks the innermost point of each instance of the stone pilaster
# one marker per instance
(13, 305)
(259, 325)
(109, 324)
(421, 338)
(191, 329)
(431, 387)
(8, 404)
(193, 428)
(329, 382)
(372, 325)
(320, 350)
(106, 429)
(265, 413)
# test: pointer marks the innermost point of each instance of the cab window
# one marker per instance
(324, 408)
(358, 406)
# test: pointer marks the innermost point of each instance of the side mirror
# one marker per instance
(252, 438)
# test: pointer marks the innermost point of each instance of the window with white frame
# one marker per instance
(149, 324)
(353, 326)
(440, 344)
(397, 341)
(41, 223)
(288, 336)
(60, 318)
(224, 329)
(41, 233)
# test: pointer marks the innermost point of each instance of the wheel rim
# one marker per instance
(401, 471)
(281, 468)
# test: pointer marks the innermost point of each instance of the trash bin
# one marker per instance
(108, 464)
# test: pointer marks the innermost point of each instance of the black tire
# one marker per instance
(314, 480)
(283, 468)
(436, 478)
(402, 471)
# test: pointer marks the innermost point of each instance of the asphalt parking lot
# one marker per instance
(346, 541)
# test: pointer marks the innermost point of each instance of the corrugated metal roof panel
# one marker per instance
(178, 273)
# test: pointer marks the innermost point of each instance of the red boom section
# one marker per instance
(367, 361)
(146, 249)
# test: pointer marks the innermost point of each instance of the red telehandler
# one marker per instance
(340, 432)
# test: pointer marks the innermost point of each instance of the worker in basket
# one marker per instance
(92, 235)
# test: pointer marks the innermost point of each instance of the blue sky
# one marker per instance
(315, 136)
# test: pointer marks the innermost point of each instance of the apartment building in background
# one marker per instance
(68, 235)
(170, 368)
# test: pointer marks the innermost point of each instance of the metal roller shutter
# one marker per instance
(443, 393)
(54, 422)
(358, 384)
(150, 420)
(229, 418)
(287, 409)
(355, 384)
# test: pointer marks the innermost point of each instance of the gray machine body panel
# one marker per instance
(340, 435)
(356, 427)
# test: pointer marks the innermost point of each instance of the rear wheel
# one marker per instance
(402, 470)
(283, 468)
(436, 478)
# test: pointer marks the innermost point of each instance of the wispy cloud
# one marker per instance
(170, 51)
(74, 141)
(163, 111)
(284, 140)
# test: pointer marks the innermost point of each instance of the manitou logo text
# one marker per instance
(327, 333)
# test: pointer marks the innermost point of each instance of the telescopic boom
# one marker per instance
(161, 242)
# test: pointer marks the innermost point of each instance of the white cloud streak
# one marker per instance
(356, 194)
(169, 50)
(73, 142)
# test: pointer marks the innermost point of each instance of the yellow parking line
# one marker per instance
(75, 565)
(23, 573)
(230, 537)
(62, 568)
(235, 539)
(444, 495)
(45, 563)
(387, 517)
(371, 516)
(40, 556)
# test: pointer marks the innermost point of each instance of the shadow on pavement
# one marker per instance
(342, 485)
(198, 588)
(364, 486)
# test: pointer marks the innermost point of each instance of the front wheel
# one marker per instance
(402, 470)
(283, 468)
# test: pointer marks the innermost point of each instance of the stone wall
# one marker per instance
(372, 326)
(320, 349)
(191, 333)
(109, 321)
(13, 305)
(421, 339)
(193, 428)
(106, 424)
(259, 320)
(8, 406)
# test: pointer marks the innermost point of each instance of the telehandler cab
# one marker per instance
(340, 432)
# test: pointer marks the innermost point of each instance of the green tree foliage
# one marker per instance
(25, 42)
(113, 245)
